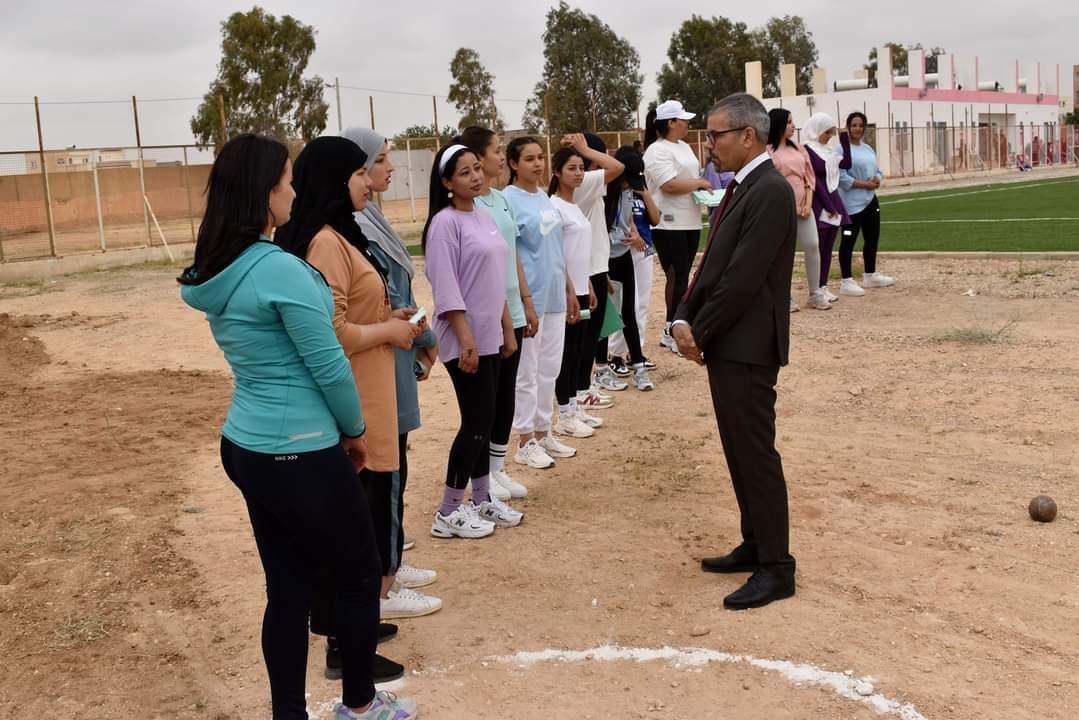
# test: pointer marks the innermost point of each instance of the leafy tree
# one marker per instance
(423, 136)
(785, 40)
(591, 76)
(901, 58)
(472, 91)
(260, 78)
(707, 58)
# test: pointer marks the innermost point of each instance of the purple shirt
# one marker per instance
(467, 261)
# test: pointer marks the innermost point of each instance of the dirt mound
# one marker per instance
(20, 352)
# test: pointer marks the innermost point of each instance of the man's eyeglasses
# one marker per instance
(714, 135)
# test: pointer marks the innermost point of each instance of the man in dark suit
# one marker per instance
(735, 320)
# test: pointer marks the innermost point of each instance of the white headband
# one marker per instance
(448, 155)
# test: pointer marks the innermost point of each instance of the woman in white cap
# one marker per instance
(673, 171)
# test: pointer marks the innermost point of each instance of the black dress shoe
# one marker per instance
(382, 669)
(765, 585)
(742, 559)
(386, 631)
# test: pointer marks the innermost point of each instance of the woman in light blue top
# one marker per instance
(858, 189)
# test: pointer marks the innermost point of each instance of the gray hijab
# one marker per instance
(374, 224)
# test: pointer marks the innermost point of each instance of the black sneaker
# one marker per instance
(649, 365)
(618, 367)
(383, 669)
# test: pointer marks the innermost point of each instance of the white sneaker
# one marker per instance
(849, 286)
(499, 513)
(410, 542)
(533, 455)
(641, 379)
(591, 400)
(877, 280)
(414, 577)
(794, 306)
(607, 380)
(667, 340)
(819, 301)
(497, 489)
(570, 426)
(590, 420)
(406, 603)
(828, 294)
(462, 522)
(516, 489)
(554, 448)
(595, 390)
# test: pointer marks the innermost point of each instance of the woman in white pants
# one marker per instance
(539, 247)
(792, 161)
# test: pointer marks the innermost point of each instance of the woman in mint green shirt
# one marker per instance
(293, 436)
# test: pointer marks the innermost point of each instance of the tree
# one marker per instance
(901, 59)
(472, 91)
(785, 40)
(260, 79)
(423, 136)
(591, 76)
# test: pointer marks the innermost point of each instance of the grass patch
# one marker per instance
(977, 334)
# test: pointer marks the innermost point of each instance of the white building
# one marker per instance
(940, 122)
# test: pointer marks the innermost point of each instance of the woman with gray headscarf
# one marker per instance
(411, 365)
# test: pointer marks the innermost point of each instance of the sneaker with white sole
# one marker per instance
(501, 514)
(649, 364)
(593, 400)
(533, 455)
(516, 489)
(819, 301)
(497, 489)
(641, 379)
(606, 380)
(850, 286)
(667, 340)
(554, 448)
(828, 294)
(414, 577)
(384, 706)
(877, 280)
(570, 426)
(590, 420)
(462, 522)
(618, 366)
(410, 542)
(407, 603)
(794, 306)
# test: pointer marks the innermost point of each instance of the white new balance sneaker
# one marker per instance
(641, 379)
(593, 400)
(819, 301)
(497, 489)
(533, 455)
(849, 286)
(607, 380)
(414, 577)
(667, 340)
(570, 426)
(463, 522)
(499, 513)
(877, 280)
(590, 420)
(554, 448)
(828, 294)
(406, 603)
(516, 489)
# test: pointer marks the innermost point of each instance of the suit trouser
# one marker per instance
(744, 399)
(541, 359)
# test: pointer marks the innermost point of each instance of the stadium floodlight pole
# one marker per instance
(45, 180)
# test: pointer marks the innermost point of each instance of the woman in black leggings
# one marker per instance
(293, 437)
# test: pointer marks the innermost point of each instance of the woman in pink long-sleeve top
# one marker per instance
(793, 163)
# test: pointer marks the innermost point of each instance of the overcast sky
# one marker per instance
(66, 50)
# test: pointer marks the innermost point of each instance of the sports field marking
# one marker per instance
(978, 220)
(844, 685)
(1006, 187)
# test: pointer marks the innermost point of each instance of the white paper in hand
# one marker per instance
(831, 218)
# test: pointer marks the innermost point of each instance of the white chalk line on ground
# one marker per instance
(844, 685)
(1002, 188)
(979, 220)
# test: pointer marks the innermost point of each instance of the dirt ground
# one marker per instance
(915, 425)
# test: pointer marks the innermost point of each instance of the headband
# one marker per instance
(448, 155)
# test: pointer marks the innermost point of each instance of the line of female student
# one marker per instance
(295, 435)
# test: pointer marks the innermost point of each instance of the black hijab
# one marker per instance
(320, 177)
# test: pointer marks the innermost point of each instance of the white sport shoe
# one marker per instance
(533, 455)
(590, 420)
(828, 294)
(406, 603)
(607, 380)
(410, 542)
(877, 280)
(819, 301)
(414, 577)
(849, 286)
(554, 448)
(499, 513)
(794, 306)
(592, 400)
(570, 426)
(463, 522)
(641, 379)
(384, 705)
(497, 489)
(667, 340)
(516, 489)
